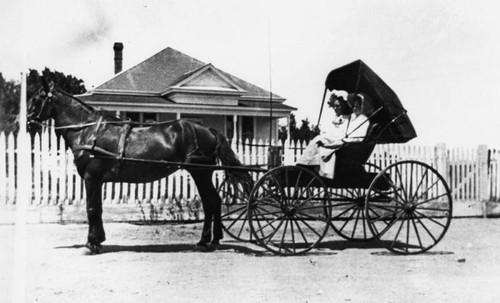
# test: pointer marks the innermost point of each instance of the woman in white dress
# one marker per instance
(333, 133)
(355, 131)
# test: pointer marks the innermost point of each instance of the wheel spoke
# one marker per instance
(235, 220)
(293, 235)
(296, 197)
(390, 225)
(401, 180)
(269, 223)
(419, 184)
(429, 200)
(348, 219)
(265, 202)
(234, 211)
(429, 188)
(358, 210)
(416, 231)
(310, 198)
(434, 209)
(284, 232)
(270, 236)
(345, 211)
(429, 218)
(397, 233)
(308, 226)
(301, 232)
(391, 198)
(426, 229)
(394, 187)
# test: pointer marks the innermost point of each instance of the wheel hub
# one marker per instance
(360, 201)
(409, 208)
(288, 211)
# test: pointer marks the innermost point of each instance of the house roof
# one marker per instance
(100, 99)
(168, 68)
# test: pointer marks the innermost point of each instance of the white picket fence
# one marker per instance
(472, 173)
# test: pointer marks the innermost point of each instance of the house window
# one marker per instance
(247, 128)
(136, 117)
(149, 117)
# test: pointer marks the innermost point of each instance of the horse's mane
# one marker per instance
(85, 105)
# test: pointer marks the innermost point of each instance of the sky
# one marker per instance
(442, 58)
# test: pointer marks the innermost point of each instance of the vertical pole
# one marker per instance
(235, 129)
(270, 87)
(482, 169)
(23, 196)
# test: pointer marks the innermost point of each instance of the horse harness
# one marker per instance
(91, 144)
(195, 156)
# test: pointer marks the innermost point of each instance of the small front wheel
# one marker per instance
(234, 210)
(289, 210)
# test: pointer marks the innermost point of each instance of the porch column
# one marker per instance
(288, 127)
(178, 116)
(235, 128)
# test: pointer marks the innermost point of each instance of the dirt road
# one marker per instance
(157, 263)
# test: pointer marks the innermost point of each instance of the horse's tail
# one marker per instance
(227, 157)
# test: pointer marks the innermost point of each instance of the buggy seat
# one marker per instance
(350, 159)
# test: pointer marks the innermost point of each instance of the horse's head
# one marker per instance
(41, 104)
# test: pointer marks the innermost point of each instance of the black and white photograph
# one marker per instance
(249, 151)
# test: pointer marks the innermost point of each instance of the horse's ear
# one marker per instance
(45, 84)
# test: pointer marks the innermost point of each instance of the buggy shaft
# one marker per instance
(182, 165)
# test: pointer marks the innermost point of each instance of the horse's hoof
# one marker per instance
(92, 249)
(213, 246)
(201, 246)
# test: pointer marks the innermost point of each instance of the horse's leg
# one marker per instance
(94, 214)
(211, 207)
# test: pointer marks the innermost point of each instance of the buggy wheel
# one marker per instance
(348, 210)
(234, 210)
(289, 210)
(409, 207)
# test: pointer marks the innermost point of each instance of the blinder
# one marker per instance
(46, 100)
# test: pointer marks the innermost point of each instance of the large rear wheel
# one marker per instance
(409, 207)
(289, 210)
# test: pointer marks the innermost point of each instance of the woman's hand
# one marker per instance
(334, 145)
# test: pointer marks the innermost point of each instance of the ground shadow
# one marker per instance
(246, 248)
(339, 245)
(169, 248)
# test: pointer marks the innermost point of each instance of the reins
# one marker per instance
(72, 126)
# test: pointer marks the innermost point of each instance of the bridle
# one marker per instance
(47, 99)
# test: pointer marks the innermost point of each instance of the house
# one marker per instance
(172, 85)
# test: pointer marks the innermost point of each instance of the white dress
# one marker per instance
(355, 131)
(337, 131)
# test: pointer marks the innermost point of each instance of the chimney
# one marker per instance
(118, 48)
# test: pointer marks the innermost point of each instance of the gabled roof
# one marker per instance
(169, 68)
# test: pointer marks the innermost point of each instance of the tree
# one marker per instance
(301, 134)
(9, 105)
(10, 93)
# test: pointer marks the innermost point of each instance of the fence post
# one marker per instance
(441, 160)
(482, 170)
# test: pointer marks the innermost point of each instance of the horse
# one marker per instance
(105, 148)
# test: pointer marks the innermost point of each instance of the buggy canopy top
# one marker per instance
(357, 77)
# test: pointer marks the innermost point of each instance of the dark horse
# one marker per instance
(104, 146)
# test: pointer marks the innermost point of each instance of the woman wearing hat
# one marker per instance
(335, 132)
(355, 131)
